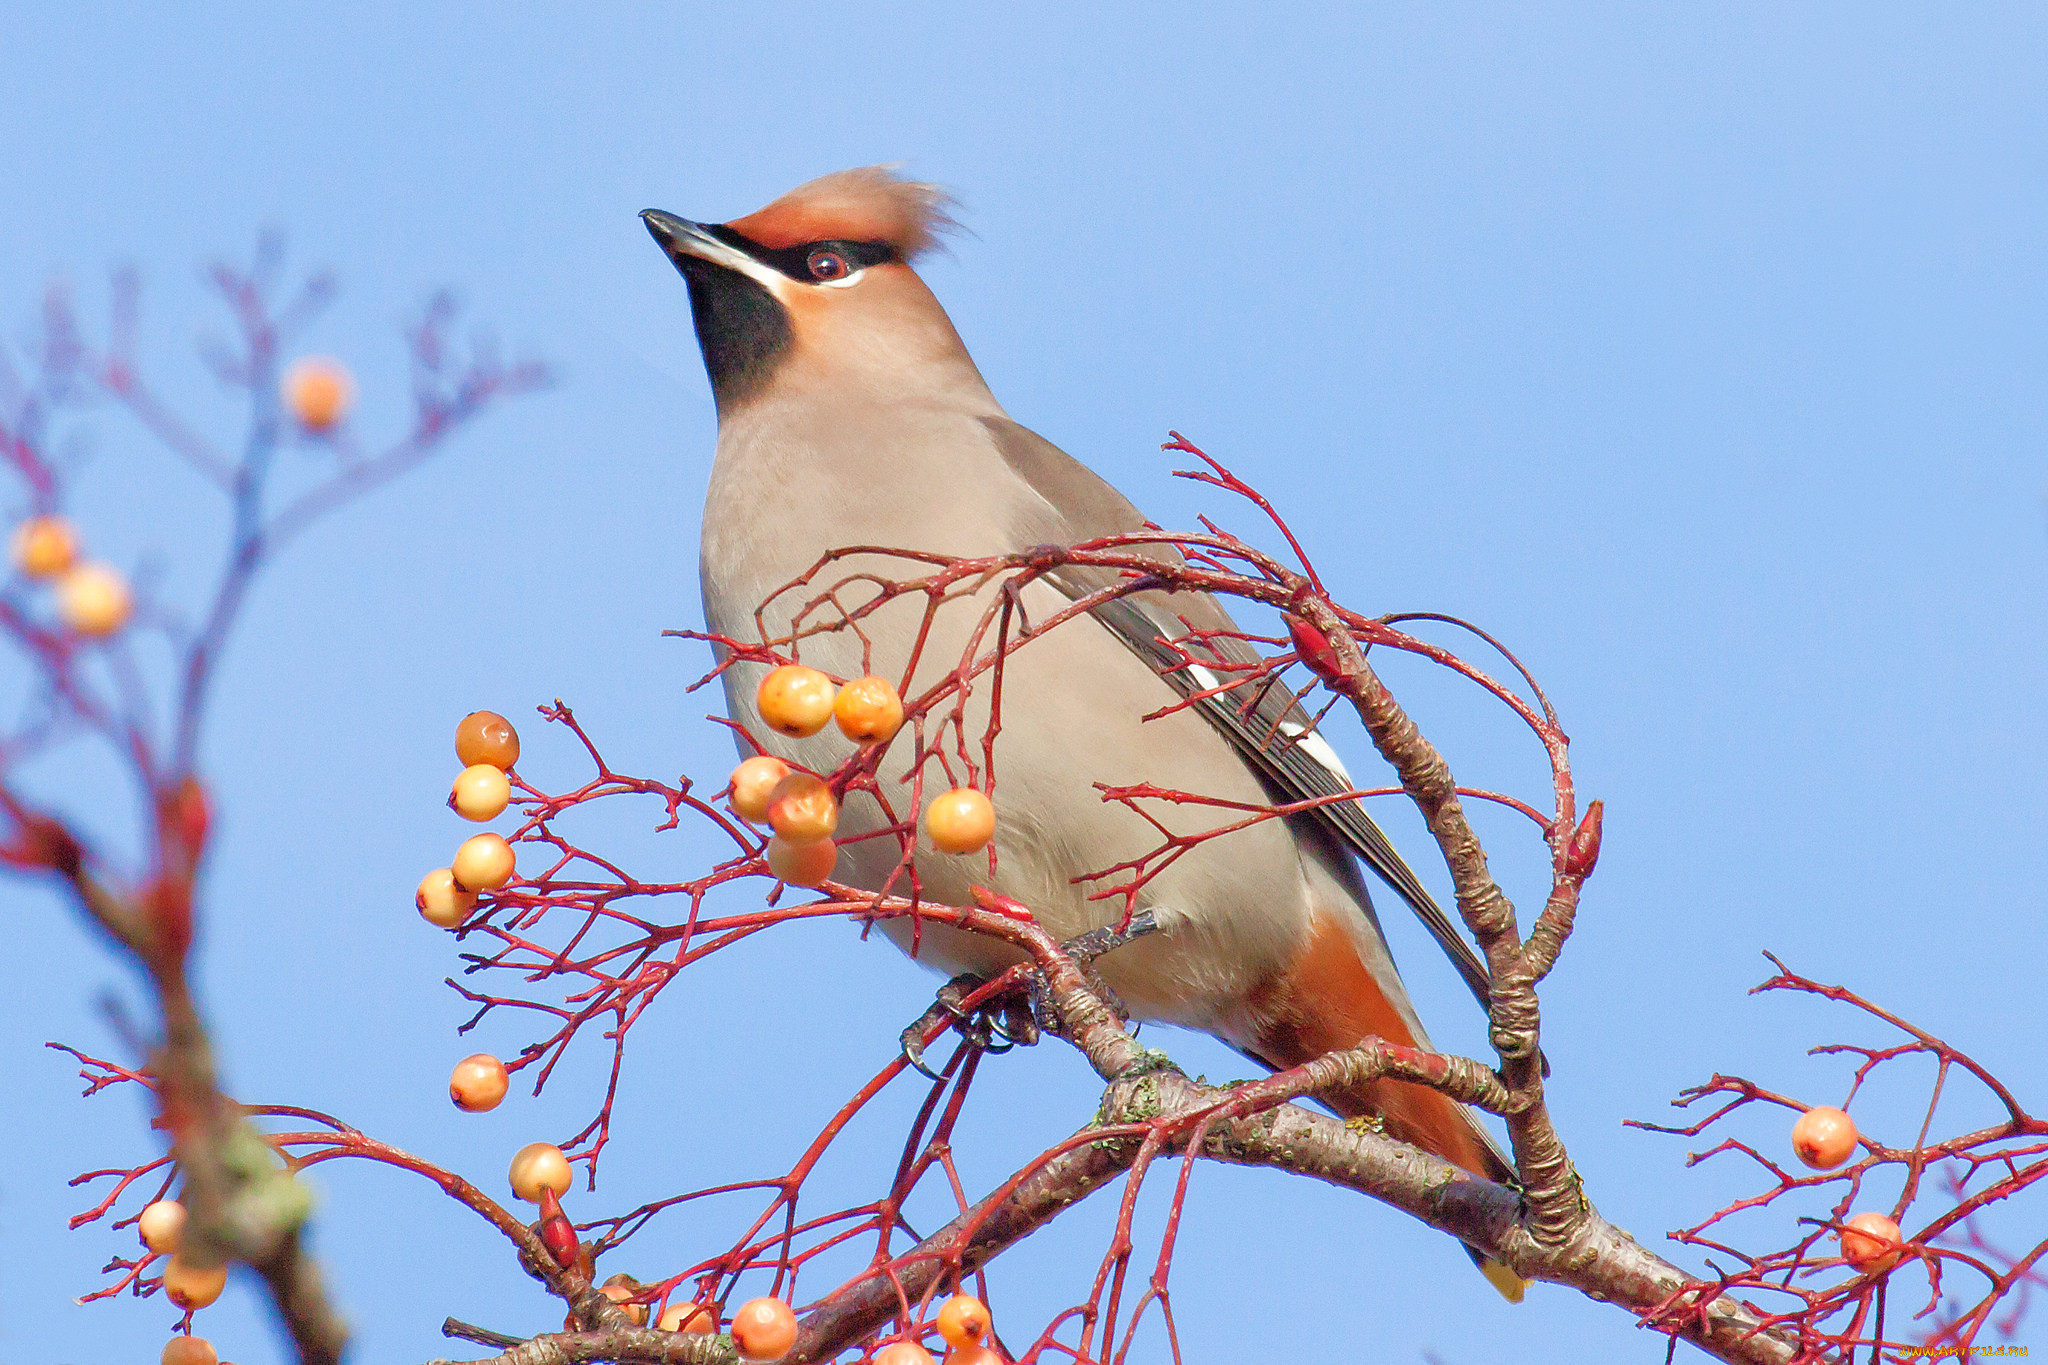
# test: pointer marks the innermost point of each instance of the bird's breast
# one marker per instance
(1072, 704)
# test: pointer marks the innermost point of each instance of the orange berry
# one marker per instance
(193, 1286)
(539, 1164)
(960, 821)
(753, 782)
(688, 1317)
(442, 903)
(963, 1320)
(903, 1353)
(93, 599)
(486, 737)
(1824, 1137)
(795, 700)
(161, 1224)
(802, 864)
(318, 391)
(1870, 1242)
(621, 1287)
(484, 863)
(869, 711)
(478, 1083)
(189, 1351)
(481, 792)
(764, 1329)
(44, 547)
(802, 809)
(637, 1312)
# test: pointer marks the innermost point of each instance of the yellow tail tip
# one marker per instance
(1510, 1285)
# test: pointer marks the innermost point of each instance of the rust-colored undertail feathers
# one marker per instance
(1327, 1001)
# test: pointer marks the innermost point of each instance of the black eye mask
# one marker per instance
(795, 261)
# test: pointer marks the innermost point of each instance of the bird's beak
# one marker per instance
(683, 239)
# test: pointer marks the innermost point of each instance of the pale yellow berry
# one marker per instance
(868, 710)
(442, 903)
(802, 809)
(802, 864)
(539, 1164)
(960, 821)
(189, 1351)
(193, 1286)
(619, 1289)
(1871, 1243)
(688, 1317)
(161, 1225)
(484, 863)
(478, 1083)
(796, 700)
(1824, 1137)
(481, 792)
(963, 1320)
(93, 599)
(44, 546)
(753, 782)
(763, 1329)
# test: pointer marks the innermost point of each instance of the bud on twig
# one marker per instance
(555, 1231)
(42, 842)
(1313, 647)
(1582, 850)
(168, 901)
(184, 815)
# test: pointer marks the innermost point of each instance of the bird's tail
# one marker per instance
(1329, 999)
(1440, 1125)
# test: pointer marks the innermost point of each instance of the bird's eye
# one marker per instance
(827, 265)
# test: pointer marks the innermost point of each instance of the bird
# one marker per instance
(850, 414)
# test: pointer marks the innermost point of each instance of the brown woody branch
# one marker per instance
(1550, 1186)
(1249, 1125)
(637, 1344)
(1252, 1124)
(240, 1205)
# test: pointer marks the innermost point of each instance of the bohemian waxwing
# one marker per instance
(849, 413)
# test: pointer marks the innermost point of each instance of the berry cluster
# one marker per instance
(189, 1285)
(801, 807)
(92, 599)
(487, 746)
(1823, 1138)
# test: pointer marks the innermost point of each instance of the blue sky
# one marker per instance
(1695, 351)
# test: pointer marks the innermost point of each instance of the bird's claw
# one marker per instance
(1084, 951)
(945, 1007)
(1096, 942)
(995, 1026)
(913, 1049)
(1001, 1024)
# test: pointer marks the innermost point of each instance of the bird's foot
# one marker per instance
(994, 1026)
(1096, 942)
(1085, 950)
(1015, 1019)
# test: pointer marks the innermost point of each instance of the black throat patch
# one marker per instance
(742, 330)
(744, 333)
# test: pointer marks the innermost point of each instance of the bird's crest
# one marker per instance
(868, 204)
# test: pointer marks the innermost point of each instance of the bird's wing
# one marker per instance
(1263, 721)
